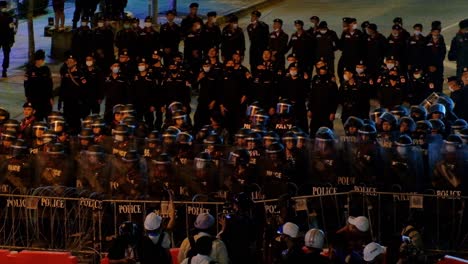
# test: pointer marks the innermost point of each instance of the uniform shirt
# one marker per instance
(127, 39)
(218, 249)
(415, 48)
(188, 22)
(460, 98)
(278, 42)
(170, 36)
(258, 35)
(435, 51)
(38, 84)
(300, 43)
(210, 36)
(232, 41)
(351, 45)
(149, 40)
(325, 44)
(82, 44)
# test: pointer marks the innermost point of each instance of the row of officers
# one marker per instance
(130, 163)
(225, 90)
(366, 44)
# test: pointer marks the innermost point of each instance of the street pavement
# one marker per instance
(379, 12)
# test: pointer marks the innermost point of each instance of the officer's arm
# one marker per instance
(27, 85)
(336, 41)
(452, 56)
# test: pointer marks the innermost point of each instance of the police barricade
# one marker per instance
(83, 223)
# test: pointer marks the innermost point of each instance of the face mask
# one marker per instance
(390, 66)
(115, 70)
(354, 26)
(417, 32)
(84, 24)
(323, 31)
(100, 24)
(277, 29)
(148, 24)
(345, 77)
(126, 26)
(89, 63)
(206, 69)
(135, 25)
(435, 37)
(42, 63)
(368, 32)
(359, 70)
(401, 150)
(312, 24)
(235, 25)
(141, 68)
(197, 27)
(417, 76)
(293, 73)
(395, 34)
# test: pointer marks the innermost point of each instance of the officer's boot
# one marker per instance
(4, 73)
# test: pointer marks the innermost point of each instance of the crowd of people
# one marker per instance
(263, 132)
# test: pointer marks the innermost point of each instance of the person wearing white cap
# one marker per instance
(374, 253)
(289, 233)
(203, 225)
(313, 242)
(351, 239)
(160, 239)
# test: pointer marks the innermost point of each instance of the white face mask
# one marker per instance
(354, 26)
(141, 68)
(312, 24)
(89, 63)
(417, 32)
(84, 24)
(206, 69)
(115, 70)
(390, 66)
(119, 138)
(345, 77)
(359, 70)
(235, 25)
(417, 75)
(148, 24)
(100, 24)
(401, 150)
(368, 32)
(395, 34)
(293, 73)
(323, 31)
(197, 27)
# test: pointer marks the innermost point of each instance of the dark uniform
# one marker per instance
(7, 38)
(300, 45)
(115, 92)
(258, 34)
(278, 44)
(211, 37)
(375, 51)
(391, 94)
(94, 89)
(396, 47)
(323, 101)
(232, 41)
(434, 54)
(193, 45)
(415, 50)
(103, 45)
(326, 43)
(352, 49)
(17, 173)
(144, 96)
(170, 39)
(296, 89)
(188, 21)
(149, 40)
(82, 41)
(459, 48)
(176, 89)
(208, 81)
(354, 99)
(127, 38)
(38, 87)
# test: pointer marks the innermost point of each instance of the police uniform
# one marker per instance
(396, 47)
(434, 55)
(232, 41)
(127, 38)
(170, 38)
(325, 45)
(300, 44)
(258, 34)
(188, 21)
(143, 96)
(296, 89)
(264, 86)
(352, 48)
(459, 49)
(82, 44)
(193, 48)
(17, 174)
(375, 51)
(176, 89)
(354, 99)
(38, 87)
(208, 83)
(103, 45)
(7, 38)
(210, 37)
(278, 44)
(323, 101)
(116, 92)
(415, 49)
(149, 40)
(94, 89)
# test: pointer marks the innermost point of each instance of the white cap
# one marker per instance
(152, 221)
(314, 238)
(204, 221)
(360, 222)
(290, 229)
(372, 250)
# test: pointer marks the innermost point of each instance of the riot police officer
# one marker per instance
(93, 170)
(17, 172)
(54, 168)
(459, 96)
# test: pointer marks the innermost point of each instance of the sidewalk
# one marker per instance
(11, 88)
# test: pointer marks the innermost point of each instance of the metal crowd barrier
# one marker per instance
(81, 224)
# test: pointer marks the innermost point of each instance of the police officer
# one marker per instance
(127, 38)
(264, 82)
(300, 45)
(278, 43)
(176, 87)
(7, 36)
(459, 96)
(326, 43)
(419, 86)
(191, 18)
(143, 94)
(258, 34)
(434, 53)
(416, 47)
(72, 92)
(17, 172)
(351, 45)
(396, 47)
(208, 80)
(295, 87)
(115, 91)
(54, 168)
(27, 121)
(149, 39)
(314, 25)
(93, 170)
(38, 85)
(103, 44)
(193, 45)
(375, 50)
(353, 97)
(128, 178)
(323, 99)
(459, 47)
(82, 40)
(232, 39)
(211, 34)
(94, 93)
(170, 37)
(391, 93)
